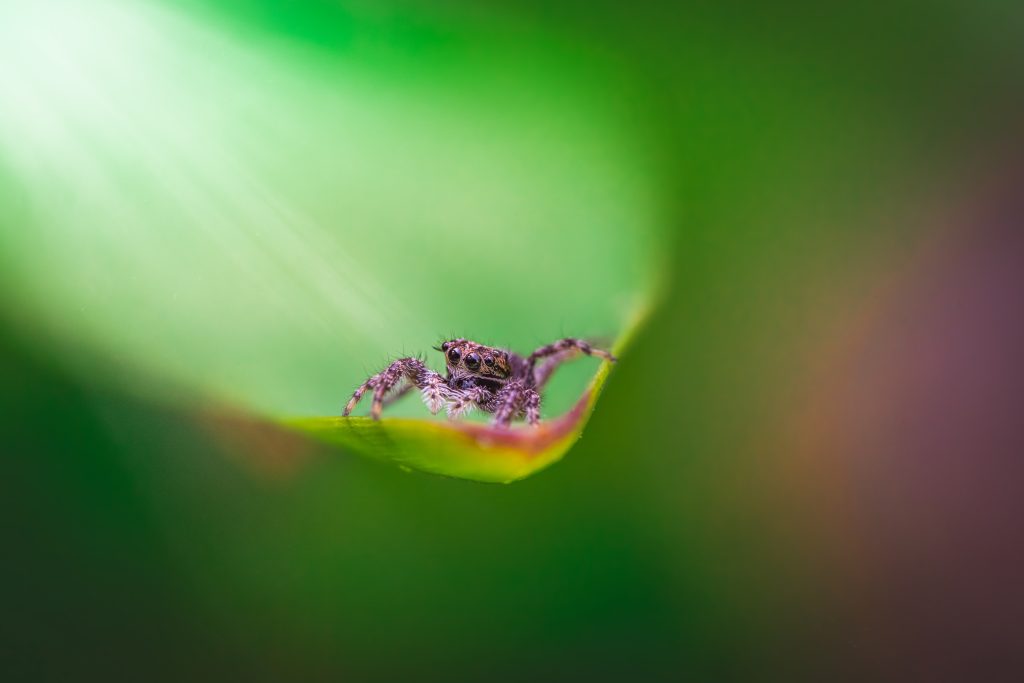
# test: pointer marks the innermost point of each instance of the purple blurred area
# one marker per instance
(918, 433)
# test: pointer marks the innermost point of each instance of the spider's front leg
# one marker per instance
(556, 354)
(432, 385)
(513, 400)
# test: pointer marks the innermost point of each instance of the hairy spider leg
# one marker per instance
(358, 394)
(564, 345)
(542, 373)
(431, 385)
(398, 393)
(508, 403)
(532, 403)
(557, 353)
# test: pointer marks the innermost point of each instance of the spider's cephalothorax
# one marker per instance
(470, 363)
(495, 380)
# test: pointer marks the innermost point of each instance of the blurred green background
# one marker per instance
(248, 206)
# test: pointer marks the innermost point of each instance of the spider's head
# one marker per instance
(466, 358)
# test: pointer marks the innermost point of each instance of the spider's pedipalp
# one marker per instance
(434, 390)
(465, 400)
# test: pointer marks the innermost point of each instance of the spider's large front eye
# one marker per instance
(454, 355)
(473, 361)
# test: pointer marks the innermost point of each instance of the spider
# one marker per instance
(494, 380)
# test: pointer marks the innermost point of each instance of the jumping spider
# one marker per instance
(491, 379)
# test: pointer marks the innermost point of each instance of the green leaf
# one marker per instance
(212, 214)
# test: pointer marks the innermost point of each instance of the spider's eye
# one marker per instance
(445, 346)
(473, 361)
(488, 361)
(454, 355)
